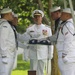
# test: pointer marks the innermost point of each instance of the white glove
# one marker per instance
(50, 56)
(65, 59)
(53, 39)
(5, 60)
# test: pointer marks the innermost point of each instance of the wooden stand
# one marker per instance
(31, 72)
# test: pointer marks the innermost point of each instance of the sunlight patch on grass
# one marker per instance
(20, 72)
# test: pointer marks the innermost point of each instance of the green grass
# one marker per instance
(22, 67)
(19, 72)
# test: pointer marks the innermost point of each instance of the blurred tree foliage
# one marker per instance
(24, 9)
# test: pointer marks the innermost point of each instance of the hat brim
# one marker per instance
(37, 14)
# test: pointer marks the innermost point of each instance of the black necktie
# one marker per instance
(12, 26)
(15, 36)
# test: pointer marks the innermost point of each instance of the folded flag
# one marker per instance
(41, 42)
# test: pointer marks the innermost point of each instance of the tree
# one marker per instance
(24, 9)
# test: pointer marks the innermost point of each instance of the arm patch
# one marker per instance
(5, 26)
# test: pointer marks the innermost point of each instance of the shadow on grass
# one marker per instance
(22, 65)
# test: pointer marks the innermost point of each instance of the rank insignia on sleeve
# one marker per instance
(5, 26)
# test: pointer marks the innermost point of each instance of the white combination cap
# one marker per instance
(37, 12)
(15, 15)
(67, 10)
(6, 10)
(56, 8)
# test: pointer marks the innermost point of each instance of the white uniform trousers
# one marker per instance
(15, 62)
(66, 68)
(37, 65)
(0, 64)
(6, 66)
(48, 67)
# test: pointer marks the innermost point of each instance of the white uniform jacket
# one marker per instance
(66, 42)
(7, 39)
(39, 51)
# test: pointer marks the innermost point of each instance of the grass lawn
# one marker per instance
(22, 67)
(19, 72)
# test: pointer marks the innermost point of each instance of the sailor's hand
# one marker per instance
(50, 56)
(48, 38)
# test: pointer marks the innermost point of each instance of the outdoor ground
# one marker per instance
(22, 67)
